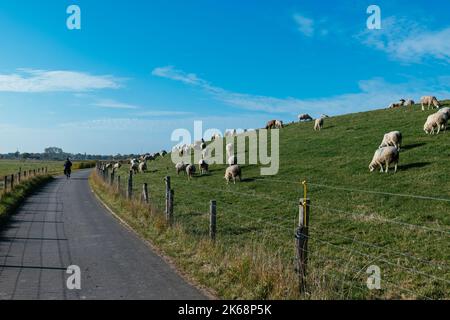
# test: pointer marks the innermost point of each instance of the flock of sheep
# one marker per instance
(388, 152)
(386, 155)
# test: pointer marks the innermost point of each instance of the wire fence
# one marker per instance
(341, 244)
(10, 181)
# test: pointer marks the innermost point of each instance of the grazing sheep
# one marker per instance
(305, 117)
(233, 172)
(397, 104)
(117, 166)
(232, 161)
(445, 110)
(409, 103)
(134, 167)
(203, 167)
(108, 166)
(190, 171)
(230, 150)
(429, 100)
(143, 167)
(180, 167)
(318, 125)
(271, 124)
(230, 133)
(163, 153)
(279, 124)
(385, 156)
(392, 139)
(216, 136)
(437, 120)
(324, 116)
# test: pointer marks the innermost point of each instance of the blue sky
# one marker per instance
(137, 70)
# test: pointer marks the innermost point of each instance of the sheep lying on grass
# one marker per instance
(233, 172)
(385, 156)
(392, 139)
(437, 120)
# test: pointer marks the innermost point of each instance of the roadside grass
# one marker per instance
(407, 237)
(8, 167)
(10, 201)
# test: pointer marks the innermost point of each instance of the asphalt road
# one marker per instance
(63, 225)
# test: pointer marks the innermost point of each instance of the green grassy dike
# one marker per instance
(12, 200)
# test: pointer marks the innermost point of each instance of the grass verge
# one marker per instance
(232, 273)
(10, 201)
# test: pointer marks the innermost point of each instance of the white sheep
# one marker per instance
(143, 166)
(318, 125)
(385, 156)
(203, 167)
(437, 120)
(232, 173)
(429, 100)
(134, 167)
(445, 110)
(180, 167)
(392, 139)
(279, 124)
(408, 103)
(117, 166)
(305, 117)
(190, 171)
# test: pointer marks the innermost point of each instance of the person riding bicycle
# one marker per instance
(68, 168)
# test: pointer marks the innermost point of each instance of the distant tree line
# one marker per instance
(57, 154)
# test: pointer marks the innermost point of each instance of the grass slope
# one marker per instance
(349, 230)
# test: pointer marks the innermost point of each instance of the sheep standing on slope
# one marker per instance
(409, 103)
(279, 124)
(117, 166)
(134, 166)
(203, 167)
(318, 125)
(143, 167)
(233, 172)
(429, 100)
(437, 120)
(180, 167)
(271, 124)
(190, 170)
(385, 156)
(305, 117)
(392, 139)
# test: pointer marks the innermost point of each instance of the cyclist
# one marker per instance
(67, 168)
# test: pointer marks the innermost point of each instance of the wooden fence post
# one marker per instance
(170, 207)
(12, 182)
(145, 193)
(302, 243)
(6, 183)
(167, 180)
(18, 176)
(213, 220)
(130, 186)
(118, 184)
(111, 178)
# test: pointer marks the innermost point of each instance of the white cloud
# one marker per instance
(406, 41)
(372, 94)
(305, 25)
(30, 80)
(112, 104)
